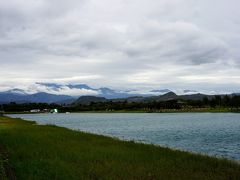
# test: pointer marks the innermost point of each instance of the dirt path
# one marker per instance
(7, 168)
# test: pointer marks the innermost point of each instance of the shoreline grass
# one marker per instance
(2, 170)
(51, 152)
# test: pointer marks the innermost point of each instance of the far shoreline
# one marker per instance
(195, 110)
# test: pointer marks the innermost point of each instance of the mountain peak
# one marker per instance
(170, 94)
(86, 100)
(16, 91)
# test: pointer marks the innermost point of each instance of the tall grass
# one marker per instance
(50, 152)
(2, 172)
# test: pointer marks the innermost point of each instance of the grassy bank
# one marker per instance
(50, 152)
(2, 171)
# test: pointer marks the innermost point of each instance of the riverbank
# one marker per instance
(50, 152)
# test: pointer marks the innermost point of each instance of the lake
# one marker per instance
(215, 134)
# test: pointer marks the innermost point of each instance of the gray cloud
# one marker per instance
(120, 43)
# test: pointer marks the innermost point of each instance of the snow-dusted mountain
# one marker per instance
(51, 92)
(15, 91)
(82, 90)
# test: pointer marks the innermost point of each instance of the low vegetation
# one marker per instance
(50, 152)
(2, 170)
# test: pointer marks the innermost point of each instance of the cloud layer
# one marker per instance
(127, 44)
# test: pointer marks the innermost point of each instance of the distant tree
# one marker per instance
(218, 100)
(226, 101)
(205, 101)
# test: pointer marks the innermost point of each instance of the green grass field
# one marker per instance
(50, 152)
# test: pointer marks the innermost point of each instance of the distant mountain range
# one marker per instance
(41, 97)
(86, 100)
(84, 88)
(67, 94)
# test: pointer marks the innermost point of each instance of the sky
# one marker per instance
(123, 44)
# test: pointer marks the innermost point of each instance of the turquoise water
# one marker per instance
(216, 134)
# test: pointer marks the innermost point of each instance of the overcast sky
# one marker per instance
(125, 44)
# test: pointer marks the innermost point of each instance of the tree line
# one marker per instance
(232, 102)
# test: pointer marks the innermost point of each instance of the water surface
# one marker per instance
(216, 134)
